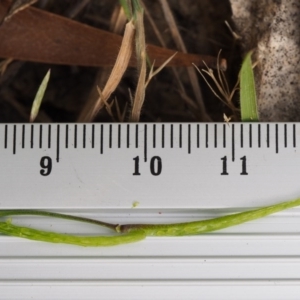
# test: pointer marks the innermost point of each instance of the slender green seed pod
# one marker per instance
(199, 227)
(8, 228)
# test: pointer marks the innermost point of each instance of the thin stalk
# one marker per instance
(134, 232)
(31, 212)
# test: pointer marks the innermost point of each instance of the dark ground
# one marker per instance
(201, 24)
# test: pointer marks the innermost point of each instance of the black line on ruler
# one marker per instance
(31, 136)
(145, 142)
(216, 136)
(23, 136)
(154, 136)
(41, 136)
(163, 136)
(93, 136)
(75, 136)
(110, 135)
(180, 136)
(285, 135)
(172, 136)
(259, 136)
(250, 135)
(84, 136)
(136, 136)
(276, 137)
(233, 142)
(198, 136)
(5, 137)
(294, 135)
(101, 139)
(119, 135)
(49, 136)
(189, 139)
(67, 137)
(224, 136)
(57, 142)
(206, 135)
(268, 135)
(242, 136)
(14, 140)
(128, 135)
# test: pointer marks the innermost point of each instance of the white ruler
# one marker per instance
(157, 166)
(171, 173)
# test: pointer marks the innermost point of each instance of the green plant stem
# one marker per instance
(134, 232)
(18, 212)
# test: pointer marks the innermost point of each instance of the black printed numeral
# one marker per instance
(244, 166)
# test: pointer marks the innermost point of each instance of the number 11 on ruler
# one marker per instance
(244, 166)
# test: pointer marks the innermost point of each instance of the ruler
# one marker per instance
(149, 166)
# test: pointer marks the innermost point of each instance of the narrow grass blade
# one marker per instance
(248, 99)
(39, 97)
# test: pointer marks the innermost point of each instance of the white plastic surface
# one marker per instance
(256, 260)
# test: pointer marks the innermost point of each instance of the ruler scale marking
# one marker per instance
(259, 136)
(23, 136)
(119, 136)
(41, 136)
(189, 139)
(49, 136)
(67, 137)
(250, 135)
(163, 136)
(233, 142)
(128, 136)
(294, 135)
(154, 136)
(14, 139)
(198, 136)
(57, 143)
(101, 139)
(145, 142)
(224, 135)
(276, 138)
(93, 136)
(206, 136)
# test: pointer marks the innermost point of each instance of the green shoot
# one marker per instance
(39, 97)
(248, 100)
(134, 232)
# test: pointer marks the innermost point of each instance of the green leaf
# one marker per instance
(39, 97)
(248, 99)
